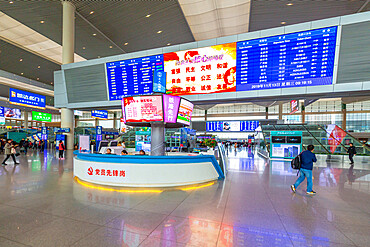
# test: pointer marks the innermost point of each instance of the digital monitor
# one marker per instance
(143, 108)
(289, 60)
(12, 113)
(201, 71)
(132, 77)
(185, 112)
(232, 126)
(109, 137)
(278, 139)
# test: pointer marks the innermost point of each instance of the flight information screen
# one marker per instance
(132, 77)
(291, 60)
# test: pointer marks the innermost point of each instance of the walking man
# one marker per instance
(9, 150)
(307, 158)
(351, 152)
(61, 150)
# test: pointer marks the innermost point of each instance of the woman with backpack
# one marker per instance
(61, 150)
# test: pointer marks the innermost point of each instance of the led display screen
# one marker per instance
(199, 71)
(171, 108)
(231, 126)
(290, 60)
(132, 77)
(41, 116)
(185, 112)
(12, 113)
(143, 108)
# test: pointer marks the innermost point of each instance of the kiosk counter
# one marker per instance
(145, 171)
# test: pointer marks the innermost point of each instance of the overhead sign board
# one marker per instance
(41, 116)
(99, 114)
(232, 126)
(19, 97)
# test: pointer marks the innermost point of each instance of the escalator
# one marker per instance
(335, 142)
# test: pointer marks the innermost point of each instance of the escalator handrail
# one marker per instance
(316, 139)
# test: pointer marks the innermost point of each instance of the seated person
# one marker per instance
(124, 152)
(109, 151)
(141, 152)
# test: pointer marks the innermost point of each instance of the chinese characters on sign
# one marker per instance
(227, 126)
(41, 116)
(143, 108)
(19, 97)
(185, 112)
(171, 108)
(290, 60)
(294, 106)
(132, 77)
(200, 71)
(99, 114)
(106, 172)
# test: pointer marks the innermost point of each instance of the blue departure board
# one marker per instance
(290, 60)
(132, 77)
(232, 126)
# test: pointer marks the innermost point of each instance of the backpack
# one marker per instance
(296, 163)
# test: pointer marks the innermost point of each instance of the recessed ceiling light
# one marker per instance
(22, 73)
(98, 56)
(42, 22)
(94, 34)
(51, 83)
(169, 44)
(147, 16)
(20, 60)
(84, 48)
(91, 12)
(283, 23)
(126, 43)
(11, 2)
(38, 78)
(38, 66)
(159, 31)
(110, 46)
(289, 4)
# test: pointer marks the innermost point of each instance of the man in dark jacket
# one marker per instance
(351, 152)
(307, 157)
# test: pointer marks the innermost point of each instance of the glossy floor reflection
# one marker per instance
(41, 205)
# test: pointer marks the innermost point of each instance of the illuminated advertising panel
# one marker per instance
(19, 97)
(294, 106)
(101, 114)
(232, 126)
(185, 112)
(201, 71)
(171, 108)
(12, 113)
(41, 116)
(143, 109)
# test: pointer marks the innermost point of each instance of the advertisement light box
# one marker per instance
(185, 112)
(199, 71)
(12, 113)
(143, 109)
(19, 97)
(133, 76)
(101, 114)
(41, 116)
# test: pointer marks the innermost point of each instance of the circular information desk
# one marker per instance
(145, 171)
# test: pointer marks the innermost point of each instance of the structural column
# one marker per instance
(115, 120)
(67, 115)
(344, 116)
(158, 139)
(26, 119)
(267, 113)
(303, 111)
(280, 111)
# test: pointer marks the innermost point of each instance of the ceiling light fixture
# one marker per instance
(11, 2)
(110, 47)
(126, 43)
(22, 73)
(283, 23)
(289, 4)
(147, 16)
(169, 44)
(38, 66)
(38, 78)
(94, 34)
(91, 12)
(42, 22)
(20, 60)
(159, 31)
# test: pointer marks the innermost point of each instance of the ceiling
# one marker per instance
(128, 26)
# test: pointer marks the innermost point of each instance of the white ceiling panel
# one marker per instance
(209, 19)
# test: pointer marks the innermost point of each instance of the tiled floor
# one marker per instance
(41, 205)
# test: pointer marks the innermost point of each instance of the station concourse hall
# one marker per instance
(185, 123)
